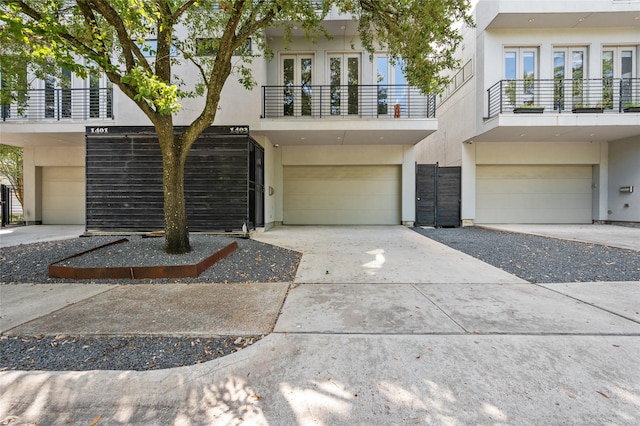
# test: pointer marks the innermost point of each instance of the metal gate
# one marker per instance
(437, 195)
(5, 202)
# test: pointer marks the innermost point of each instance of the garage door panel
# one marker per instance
(352, 202)
(339, 188)
(533, 201)
(539, 216)
(535, 172)
(533, 194)
(63, 195)
(342, 195)
(529, 186)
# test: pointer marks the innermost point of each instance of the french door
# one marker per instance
(297, 81)
(569, 74)
(393, 91)
(618, 65)
(520, 69)
(344, 81)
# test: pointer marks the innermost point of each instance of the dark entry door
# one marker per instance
(437, 195)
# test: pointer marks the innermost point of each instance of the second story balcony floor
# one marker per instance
(59, 104)
(561, 96)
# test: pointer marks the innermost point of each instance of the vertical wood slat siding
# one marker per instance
(124, 183)
(426, 194)
(448, 211)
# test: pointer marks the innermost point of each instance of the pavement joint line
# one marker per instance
(440, 309)
(472, 334)
(587, 303)
(284, 299)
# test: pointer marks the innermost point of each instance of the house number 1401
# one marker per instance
(101, 130)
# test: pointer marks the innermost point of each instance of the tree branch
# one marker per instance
(129, 48)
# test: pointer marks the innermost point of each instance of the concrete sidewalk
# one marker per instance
(428, 339)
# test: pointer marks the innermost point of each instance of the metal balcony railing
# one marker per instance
(350, 101)
(605, 95)
(60, 104)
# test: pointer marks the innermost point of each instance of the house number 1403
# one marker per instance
(239, 130)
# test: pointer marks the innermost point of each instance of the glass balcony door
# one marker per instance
(297, 81)
(393, 92)
(618, 63)
(520, 69)
(569, 74)
(344, 81)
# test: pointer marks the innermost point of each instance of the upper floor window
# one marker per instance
(521, 68)
(392, 85)
(569, 71)
(209, 47)
(150, 48)
(618, 63)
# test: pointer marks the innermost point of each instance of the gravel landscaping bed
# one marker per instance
(541, 259)
(252, 261)
(78, 353)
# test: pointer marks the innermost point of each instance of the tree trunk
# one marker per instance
(175, 214)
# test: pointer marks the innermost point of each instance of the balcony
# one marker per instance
(56, 104)
(556, 96)
(346, 115)
(350, 102)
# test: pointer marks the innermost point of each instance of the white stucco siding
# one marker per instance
(624, 170)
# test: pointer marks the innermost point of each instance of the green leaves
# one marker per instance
(162, 97)
(424, 34)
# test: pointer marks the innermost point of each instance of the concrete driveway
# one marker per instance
(379, 254)
(15, 235)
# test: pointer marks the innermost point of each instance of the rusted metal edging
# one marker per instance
(137, 272)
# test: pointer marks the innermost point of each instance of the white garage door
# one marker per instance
(63, 196)
(342, 195)
(533, 194)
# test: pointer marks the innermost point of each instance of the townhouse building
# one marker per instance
(539, 125)
(327, 137)
(543, 118)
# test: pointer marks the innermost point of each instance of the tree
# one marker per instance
(113, 37)
(11, 168)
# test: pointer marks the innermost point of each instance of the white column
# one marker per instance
(468, 190)
(408, 185)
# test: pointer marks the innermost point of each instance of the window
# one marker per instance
(150, 48)
(65, 85)
(520, 69)
(618, 65)
(568, 75)
(297, 79)
(209, 47)
(344, 76)
(392, 85)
